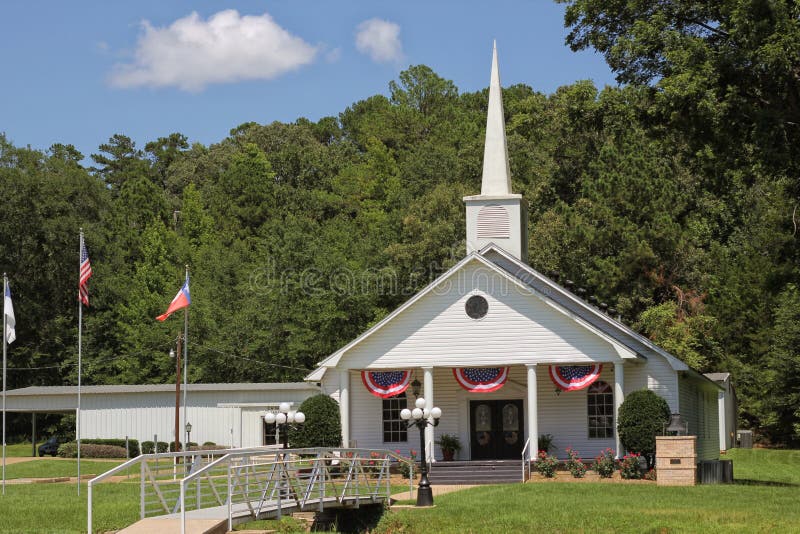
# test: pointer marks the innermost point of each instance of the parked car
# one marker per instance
(49, 447)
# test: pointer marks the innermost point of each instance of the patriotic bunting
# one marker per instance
(481, 379)
(385, 384)
(574, 377)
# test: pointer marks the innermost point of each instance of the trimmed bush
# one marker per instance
(133, 444)
(70, 450)
(322, 427)
(172, 446)
(641, 417)
(147, 447)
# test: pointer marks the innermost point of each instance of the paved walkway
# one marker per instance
(438, 489)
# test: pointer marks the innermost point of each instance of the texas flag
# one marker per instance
(181, 300)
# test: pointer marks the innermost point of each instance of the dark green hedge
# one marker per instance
(641, 418)
(322, 427)
(147, 447)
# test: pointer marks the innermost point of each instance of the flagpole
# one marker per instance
(185, 365)
(80, 329)
(5, 288)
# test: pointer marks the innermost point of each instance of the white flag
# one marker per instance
(8, 311)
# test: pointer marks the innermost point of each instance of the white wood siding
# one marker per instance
(563, 415)
(519, 328)
(656, 375)
(699, 407)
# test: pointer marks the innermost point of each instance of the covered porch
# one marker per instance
(496, 425)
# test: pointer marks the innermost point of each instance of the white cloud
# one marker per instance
(380, 40)
(192, 53)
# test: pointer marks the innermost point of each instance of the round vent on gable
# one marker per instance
(493, 221)
(476, 307)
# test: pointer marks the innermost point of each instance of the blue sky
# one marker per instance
(79, 72)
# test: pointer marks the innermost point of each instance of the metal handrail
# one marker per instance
(281, 475)
(526, 465)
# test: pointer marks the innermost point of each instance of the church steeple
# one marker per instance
(496, 174)
(496, 215)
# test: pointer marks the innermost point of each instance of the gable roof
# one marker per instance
(621, 332)
(624, 351)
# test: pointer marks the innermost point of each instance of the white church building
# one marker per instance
(507, 353)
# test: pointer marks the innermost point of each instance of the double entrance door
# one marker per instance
(496, 429)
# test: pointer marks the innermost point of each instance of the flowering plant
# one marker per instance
(629, 467)
(405, 467)
(546, 465)
(574, 463)
(650, 475)
(604, 463)
(375, 462)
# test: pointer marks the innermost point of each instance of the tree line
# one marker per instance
(672, 197)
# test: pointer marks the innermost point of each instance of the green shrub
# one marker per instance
(629, 467)
(642, 417)
(322, 427)
(147, 447)
(574, 464)
(208, 443)
(70, 450)
(133, 444)
(172, 446)
(546, 465)
(604, 463)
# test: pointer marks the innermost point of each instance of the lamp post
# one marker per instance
(188, 434)
(421, 417)
(283, 418)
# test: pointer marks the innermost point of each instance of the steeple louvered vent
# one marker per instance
(493, 222)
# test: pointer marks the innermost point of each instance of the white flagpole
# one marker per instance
(5, 288)
(80, 328)
(185, 367)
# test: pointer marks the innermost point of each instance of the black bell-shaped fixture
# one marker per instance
(677, 426)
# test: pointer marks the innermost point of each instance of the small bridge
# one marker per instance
(211, 491)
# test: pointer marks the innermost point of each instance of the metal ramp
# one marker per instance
(191, 490)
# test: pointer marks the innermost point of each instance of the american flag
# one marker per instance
(86, 272)
(481, 379)
(386, 384)
(574, 377)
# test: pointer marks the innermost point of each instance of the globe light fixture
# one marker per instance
(422, 417)
(284, 416)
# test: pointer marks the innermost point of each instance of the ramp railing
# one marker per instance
(258, 482)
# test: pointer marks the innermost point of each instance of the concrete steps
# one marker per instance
(476, 472)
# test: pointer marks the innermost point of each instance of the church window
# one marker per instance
(394, 428)
(600, 405)
(493, 221)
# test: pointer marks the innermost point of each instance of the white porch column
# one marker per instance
(619, 396)
(428, 392)
(344, 405)
(533, 410)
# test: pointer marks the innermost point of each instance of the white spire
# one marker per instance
(496, 179)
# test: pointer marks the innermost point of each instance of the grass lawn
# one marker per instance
(58, 468)
(21, 449)
(764, 499)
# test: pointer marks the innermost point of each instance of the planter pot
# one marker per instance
(448, 455)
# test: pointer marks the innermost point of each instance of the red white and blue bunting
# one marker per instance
(385, 384)
(481, 379)
(574, 377)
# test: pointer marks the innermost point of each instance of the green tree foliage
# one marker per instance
(671, 198)
(322, 427)
(641, 417)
